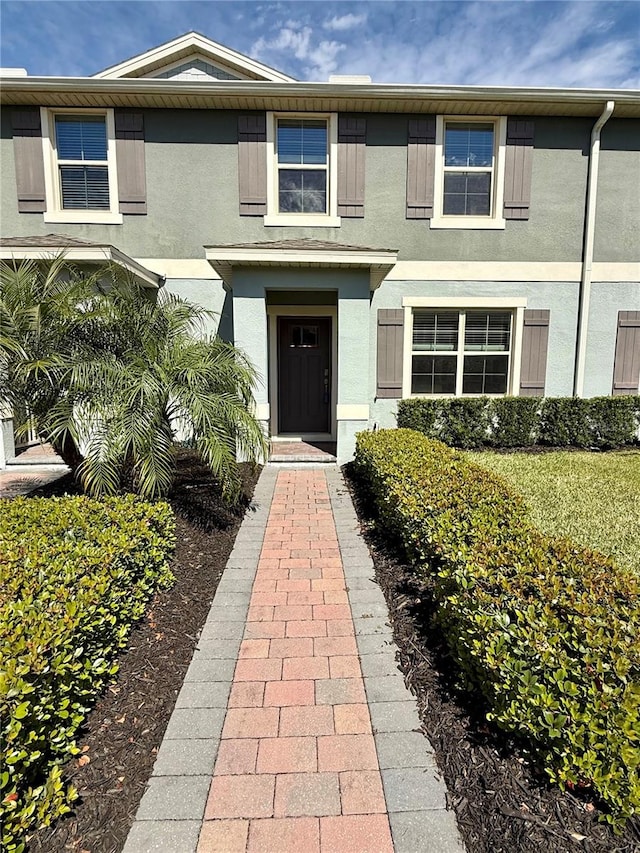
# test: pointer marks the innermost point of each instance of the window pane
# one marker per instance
(433, 374)
(302, 141)
(81, 138)
(302, 191)
(487, 332)
(84, 187)
(485, 374)
(467, 194)
(435, 331)
(304, 336)
(468, 144)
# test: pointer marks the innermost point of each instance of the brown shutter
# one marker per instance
(626, 365)
(351, 164)
(130, 158)
(535, 341)
(27, 152)
(517, 170)
(421, 164)
(252, 164)
(390, 343)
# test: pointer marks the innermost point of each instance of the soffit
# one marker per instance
(320, 97)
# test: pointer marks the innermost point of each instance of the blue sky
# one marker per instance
(526, 43)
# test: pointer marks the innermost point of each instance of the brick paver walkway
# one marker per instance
(297, 767)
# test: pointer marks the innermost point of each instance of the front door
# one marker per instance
(304, 375)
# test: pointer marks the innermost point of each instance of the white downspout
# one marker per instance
(587, 251)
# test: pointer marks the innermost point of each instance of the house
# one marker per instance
(361, 242)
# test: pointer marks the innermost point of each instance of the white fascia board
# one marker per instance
(199, 43)
(302, 256)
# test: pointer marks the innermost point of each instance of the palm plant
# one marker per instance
(120, 376)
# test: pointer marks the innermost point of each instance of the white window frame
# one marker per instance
(55, 212)
(496, 220)
(516, 305)
(273, 216)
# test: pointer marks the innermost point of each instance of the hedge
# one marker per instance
(600, 423)
(75, 574)
(548, 632)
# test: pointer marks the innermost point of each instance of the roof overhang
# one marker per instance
(224, 259)
(92, 255)
(321, 97)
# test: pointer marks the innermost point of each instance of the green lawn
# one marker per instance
(592, 498)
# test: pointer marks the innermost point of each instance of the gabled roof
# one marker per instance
(197, 47)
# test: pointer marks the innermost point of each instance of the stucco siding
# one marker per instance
(617, 232)
(561, 298)
(192, 194)
(606, 301)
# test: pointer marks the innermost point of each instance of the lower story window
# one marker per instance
(461, 352)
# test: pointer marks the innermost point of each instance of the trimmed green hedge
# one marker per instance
(472, 422)
(547, 631)
(75, 574)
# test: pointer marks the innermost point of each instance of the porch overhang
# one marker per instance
(76, 251)
(301, 254)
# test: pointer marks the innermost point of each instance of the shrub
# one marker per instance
(471, 422)
(614, 421)
(564, 422)
(458, 422)
(419, 414)
(464, 422)
(514, 421)
(546, 631)
(75, 574)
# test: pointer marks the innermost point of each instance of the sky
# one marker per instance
(520, 43)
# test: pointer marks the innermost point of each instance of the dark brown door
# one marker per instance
(304, 374)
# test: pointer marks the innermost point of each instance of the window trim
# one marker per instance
(516, 305)
(55, 212)
(494, 222)
(273, 215)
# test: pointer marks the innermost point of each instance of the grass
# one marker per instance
(592, 498)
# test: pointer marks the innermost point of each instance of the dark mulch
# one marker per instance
(502, 804)
(124, 730)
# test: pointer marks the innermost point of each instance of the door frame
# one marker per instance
(273, 313)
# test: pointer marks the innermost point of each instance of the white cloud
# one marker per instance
(319, 59)
(344, 22)
(288, 38)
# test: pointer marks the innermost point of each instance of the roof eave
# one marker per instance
(98, 254)
(224, 259)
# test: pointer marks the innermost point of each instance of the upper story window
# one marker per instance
(302, 154)
(469, 176)
(80, 166)
(83, 170)
(301, 172)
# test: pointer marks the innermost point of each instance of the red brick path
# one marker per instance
(297, 768)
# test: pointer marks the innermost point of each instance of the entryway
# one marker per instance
(304, 375)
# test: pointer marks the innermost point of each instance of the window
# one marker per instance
(303, 165)
(469, 177)
(301, 178)
(83, 171)
(80, 168)
(460, 352)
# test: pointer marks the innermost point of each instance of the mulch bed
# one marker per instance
(124, 730)
(501, 803)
